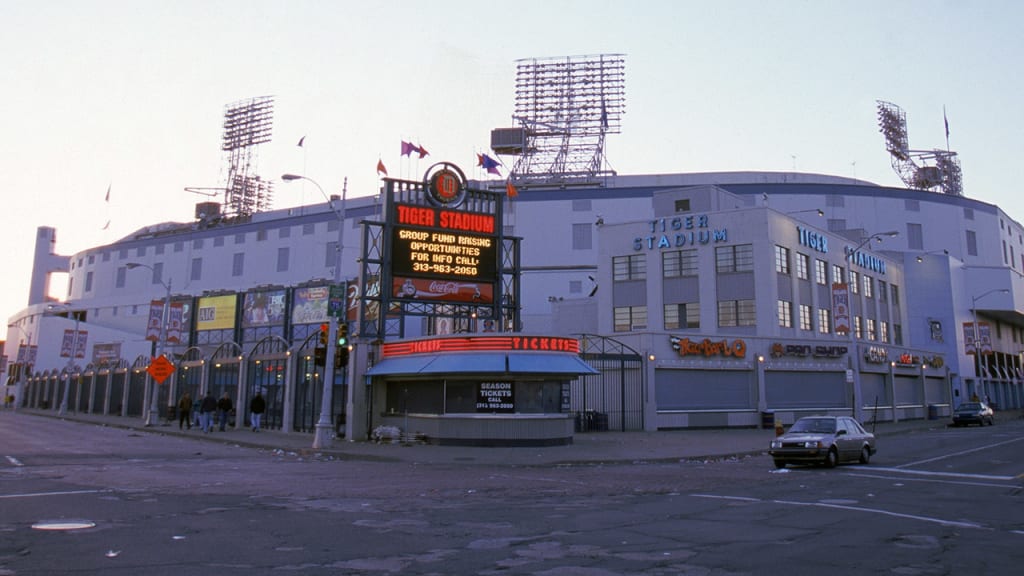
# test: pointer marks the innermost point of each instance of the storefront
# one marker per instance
(496, 390)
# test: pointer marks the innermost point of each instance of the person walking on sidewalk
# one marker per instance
(257, 407)
(224, 406)
(206, 411)
(185, 411)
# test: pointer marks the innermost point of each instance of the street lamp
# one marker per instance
(852, 355)
(71, 357)
(324, 427)
(974, 315)
(154, 408)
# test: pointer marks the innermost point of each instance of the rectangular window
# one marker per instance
(240, 238)
(739, 258)
(628, 317)
(785, 309)
(897, 334)
(308, 229)
(824, 321)
(261, 235)
(679, 263)
(197, 244)
(581, 205)
(871, 328)
(837, 274)
(88, 281)
(682, 316)
(882, 291)
(781, 259)
(805, 317)
(122, 272)
(821, 272)
(575, 287)
(854, 280)
(582, 236)
(883, 331)
(835, 200)
(197, 269)
(632, 267)
(895, 294)
(736, 313)
(158, 273)
(238, 264)
(683, 205)
(140, 251)
(968, 213)
(868, 285)
(856, 328)
(284, 232)
(179, 246)
(803, 262)
(972, 243)
(282, 259)
(915, 237)
(912, 205)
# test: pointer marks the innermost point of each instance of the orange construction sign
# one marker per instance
(160, 369)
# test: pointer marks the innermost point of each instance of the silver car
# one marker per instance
(826, 440)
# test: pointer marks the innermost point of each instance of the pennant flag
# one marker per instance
(107, 225)
(408, 148)
(301, 140)
(107, 198)
(946, 121)
(423, 152)
(380, 168)
(510, 189)
(488, 163)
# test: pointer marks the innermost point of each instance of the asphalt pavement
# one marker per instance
(590, 448)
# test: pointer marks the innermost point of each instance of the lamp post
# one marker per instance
(63, 410)
(852, 354)
(324, 427)
(154, 407)
(974, 317)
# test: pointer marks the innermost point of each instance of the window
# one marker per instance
(912, 205)
(683, 205)
(854, 289)
(333, 225)
(736, 313)
(837, 274)
(972, 243)
(882, 294)
(119, 279)
(895, 294)
(218, 241)
(679, 263)
(824, 321)
(856, 328)
(92, 259)
(785, 309)
(682, 316)
(835, 200)
(897, 334)
(803, 262)
(282, 259)
(883, 331)
(308, 229)
(968, 213)
(870, 322)
(88, 281)
(781, 259)
(158, 273)
(284, 232)
(179, 246)
(805, 318)
(739, 258)
(582, 236)
(821, 272)
(139, 252)
(240, 238)
(197, 269)
(868, 284)
(581, 205)
(629, 267)
(915, 237)
(197, 244)
(261, 235)
(575, 287)
(626, 317)
(238, 264)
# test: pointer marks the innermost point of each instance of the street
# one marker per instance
(938, 501)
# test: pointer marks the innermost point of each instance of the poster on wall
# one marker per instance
(310, 305)
(216, 312)
(265, 308)
(841, 308)
(495, 397)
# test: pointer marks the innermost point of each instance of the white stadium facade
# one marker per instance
(703, 300)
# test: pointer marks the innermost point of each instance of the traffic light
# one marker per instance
(341, 348)
(320, 352)
(324, 329)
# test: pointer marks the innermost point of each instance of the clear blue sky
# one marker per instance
(131, 95)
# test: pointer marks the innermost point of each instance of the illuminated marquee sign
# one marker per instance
(707, 347)
(482, 343)
(416, 252)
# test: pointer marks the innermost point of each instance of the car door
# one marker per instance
(846, 439)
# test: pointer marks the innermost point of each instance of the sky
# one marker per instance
(129, 96)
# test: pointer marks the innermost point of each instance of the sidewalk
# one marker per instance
(592, 448)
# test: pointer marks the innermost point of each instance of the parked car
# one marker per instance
(825, 440)
(973, 413)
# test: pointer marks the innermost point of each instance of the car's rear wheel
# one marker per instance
(832, 458)
(780, 463)
(865, 455)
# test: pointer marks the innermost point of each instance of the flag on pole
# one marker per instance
(380, 167)
(510, 189)
(408, 148)
(301, 140)
(489, 164)
(945, 121)
(423, 152)
(107, 198)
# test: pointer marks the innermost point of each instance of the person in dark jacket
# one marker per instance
(184, 411)
(206, 410)
(224, 406)
(257, 407)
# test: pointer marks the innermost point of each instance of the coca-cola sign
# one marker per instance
(424, 289)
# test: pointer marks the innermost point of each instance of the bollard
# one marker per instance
(779, 430)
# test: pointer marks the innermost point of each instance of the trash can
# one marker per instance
(933, 412)
(768, 419)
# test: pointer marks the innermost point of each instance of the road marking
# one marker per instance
(935, 480)
(978, 449)
(66, 493)
(14, 461)
(945, 474)
(957, 523)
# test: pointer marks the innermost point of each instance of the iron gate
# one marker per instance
(614, 398)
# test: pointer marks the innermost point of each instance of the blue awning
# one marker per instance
(483, 363)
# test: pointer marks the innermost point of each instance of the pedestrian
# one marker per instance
(206, 411)
(195, 411)
(224, 406)
(257, 407)
(184, 410)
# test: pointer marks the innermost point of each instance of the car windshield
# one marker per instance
(815, 425)
(970, 407)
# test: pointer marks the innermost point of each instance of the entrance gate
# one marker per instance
(613, 399)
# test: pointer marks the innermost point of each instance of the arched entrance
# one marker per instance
(613, 399)
(266, 373)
